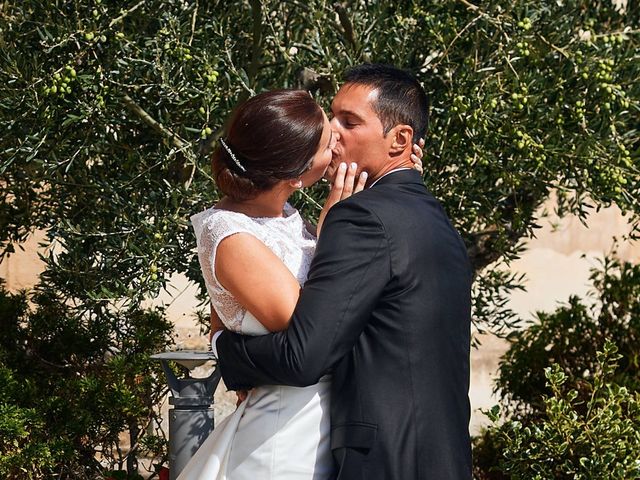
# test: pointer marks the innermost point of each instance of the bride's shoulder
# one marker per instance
(215, 219)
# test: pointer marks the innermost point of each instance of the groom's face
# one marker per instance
(358, 130)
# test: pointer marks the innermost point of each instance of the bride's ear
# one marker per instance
(296, 183)
(402, 138)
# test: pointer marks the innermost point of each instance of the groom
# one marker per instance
(386, 307)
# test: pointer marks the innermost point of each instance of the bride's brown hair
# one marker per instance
(273, 136)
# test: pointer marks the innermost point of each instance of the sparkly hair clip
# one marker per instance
(233, 157)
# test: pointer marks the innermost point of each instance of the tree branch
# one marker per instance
(486, 246)
(256, 48)
(469, 5)
(556, 48)
(186, 165)
(347, 26)
(175, 140)
(124, 14)
(193, 23)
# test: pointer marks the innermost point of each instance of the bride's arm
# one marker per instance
(257, 279)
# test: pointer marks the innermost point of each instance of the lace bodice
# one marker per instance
(287, 237)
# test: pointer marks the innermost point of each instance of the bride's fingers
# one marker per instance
(345, 183)
(338, 181)
(338, 184)
(349, 181)
(362, 180)
(417, 148)
(417, 163)
(416, 156)
(335, 194)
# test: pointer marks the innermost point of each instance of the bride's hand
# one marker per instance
(344, 185)
(416, 156)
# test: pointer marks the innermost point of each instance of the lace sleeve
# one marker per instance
(285, 236)
(211, 227)
(210, 231)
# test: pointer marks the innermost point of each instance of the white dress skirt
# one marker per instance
(278, 432)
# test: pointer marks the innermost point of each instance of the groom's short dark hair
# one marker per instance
(401, 98)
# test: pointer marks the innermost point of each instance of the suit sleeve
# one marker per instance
(347, 276)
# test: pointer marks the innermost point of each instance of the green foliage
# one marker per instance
(121, 475)
(570, 389)
(570, 337)
(69, 386)
(578, 440)
(21, 443)
(109, 111)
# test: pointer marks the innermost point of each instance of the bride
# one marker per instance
(255, 251)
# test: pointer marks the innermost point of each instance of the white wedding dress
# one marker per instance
(278, 432)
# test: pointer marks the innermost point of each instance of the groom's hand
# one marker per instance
(216, 324)
(242, 396)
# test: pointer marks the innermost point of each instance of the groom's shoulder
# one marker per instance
(390, 196)
(363, 209)
(359, 205)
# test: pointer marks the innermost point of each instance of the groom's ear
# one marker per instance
(401, 139)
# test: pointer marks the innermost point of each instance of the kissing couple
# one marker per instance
(352, 338)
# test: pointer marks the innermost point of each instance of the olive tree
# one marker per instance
(109, 110)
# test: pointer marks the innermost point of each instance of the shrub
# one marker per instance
(578, 440)
(570, 337)
(570, 389)
(68, 388)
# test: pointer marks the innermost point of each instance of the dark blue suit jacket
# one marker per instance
(386, 309)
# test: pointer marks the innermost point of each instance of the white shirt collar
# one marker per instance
(388, 173)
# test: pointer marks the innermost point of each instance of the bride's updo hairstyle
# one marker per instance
(273, 136)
